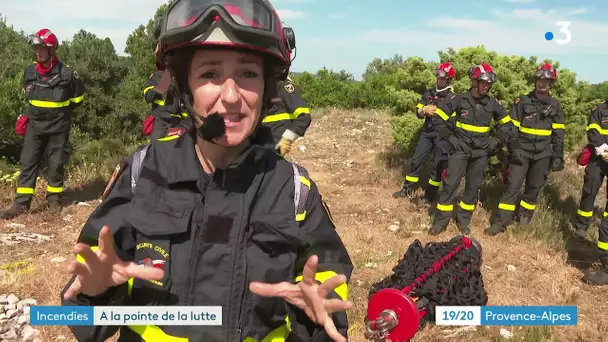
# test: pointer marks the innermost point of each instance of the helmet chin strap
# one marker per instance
(443, 89)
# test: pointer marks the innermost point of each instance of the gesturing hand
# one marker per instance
(309, 296)
(103, 268)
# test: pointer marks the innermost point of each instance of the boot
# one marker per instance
(436, 230)
(600, 277)
(495, 229)
(404, 192)
(55, 206)
(465, 230)
(580, 233)
(15, 210)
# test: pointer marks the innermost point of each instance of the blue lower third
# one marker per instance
(62, 315)
(529, 315)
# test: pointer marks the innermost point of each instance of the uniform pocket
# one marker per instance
(61, 91)
(157, 225)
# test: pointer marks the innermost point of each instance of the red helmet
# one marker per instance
(44, 37)
(546, 71)
(445, 70)
(245, 24)
(482, 72)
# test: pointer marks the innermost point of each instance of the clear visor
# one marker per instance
(441, 73)
(35, 40)
(252, 14)
(488, 77)
(544, 73)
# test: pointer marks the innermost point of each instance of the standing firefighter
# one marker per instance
(470, 145)
(288, 117)
(595, 172)
(165, 114)
(429, 141)
(540, 122)
(53, 90)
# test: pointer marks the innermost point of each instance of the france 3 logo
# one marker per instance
(564, 29)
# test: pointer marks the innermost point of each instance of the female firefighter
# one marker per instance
(218, 213)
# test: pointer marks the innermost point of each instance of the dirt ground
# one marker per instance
(350, 155)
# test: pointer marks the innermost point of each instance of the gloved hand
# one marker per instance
(284, 146)
(557, 164)
(429, 110)
(517, 157)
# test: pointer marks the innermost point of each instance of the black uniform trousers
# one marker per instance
(428, 142)
(35, 144)
(595, 172)
(602, 241)
(472, 166)
(535, 174)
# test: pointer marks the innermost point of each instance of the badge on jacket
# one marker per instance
(117, 171)
(289, 88)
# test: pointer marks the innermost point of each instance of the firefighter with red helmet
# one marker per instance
(288, 117)
(540, 124)
(165, 112)
(471, 145)
(429, 141)
(53, 91)
(594, 157)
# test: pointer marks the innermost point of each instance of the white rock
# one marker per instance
(10, 307)
(371, 265)
(26, 310)
(12, 299)
(57, 260)
(393, 228)
(510, 268)
(83, 204)
(505, 333)
(9, 335)
(23, 319)
(29, 333)
(11, 313)
(15, 225)
(2, 316)
(302, 148)
(359, 282)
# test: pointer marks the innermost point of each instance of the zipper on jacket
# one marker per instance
(194, 251)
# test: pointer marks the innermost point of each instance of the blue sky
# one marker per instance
(347, 34)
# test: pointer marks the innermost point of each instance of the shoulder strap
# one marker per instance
(302, 188)
(138, 162)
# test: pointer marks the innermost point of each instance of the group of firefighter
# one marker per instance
(458, 130)
(464, 130)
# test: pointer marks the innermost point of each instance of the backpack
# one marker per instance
(301, 189)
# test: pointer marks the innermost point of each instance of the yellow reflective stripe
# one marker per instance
(434, 183)
(442, 114)
(504, 120)
(130, 286)
(468, 207)
(533, 131)
(54, 189)
(77, 99)
(558, 126)
(173, 137)
(152, 333)
(471, 128)
(302, 216)
(277, 335)
(81, 259)
(147, 89)
(287, 116)
(605, 213)
(516, 123)
(597, 128)
(305, 181)
(184, 114)
(321, 277)
(445, 207)
(25, 191)
(507, 207)
(49, 104)
(453, 114)
(411, 179)
(420, 105)
(159, 102)
(527, 205)
(176, 115)
(584, 213)
(602, 245)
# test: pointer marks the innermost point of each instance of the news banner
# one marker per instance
(212, 315)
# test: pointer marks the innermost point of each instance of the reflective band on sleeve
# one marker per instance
(301, 210)
(147, 89)
(434, 182)
(504, 120)
(602, 245)
(467, 207)
(77, 99)
(527, 205)
(597, 128)
(152, 333)
(472, 128)
(159, 102)
(25, 191)
(584, 213)
(169, 138)
(321, 277)
(605, 213)
(442, 114)
(445, 207)
(286, 116)
(412, 179)
(507, 207)
(54, 189)
(49, 104)
(558, 126)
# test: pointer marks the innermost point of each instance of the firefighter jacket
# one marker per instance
(161, 108)
(472, 122)
(597, 127)
(540, 126)
(289, 115)
(432, 97)
(214, 234)
(52, 97)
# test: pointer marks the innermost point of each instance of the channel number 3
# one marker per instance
(563, 28)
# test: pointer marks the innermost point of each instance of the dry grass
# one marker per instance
(350, 156)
